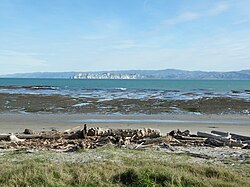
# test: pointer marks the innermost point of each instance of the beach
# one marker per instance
(108, 133)
(14, 122)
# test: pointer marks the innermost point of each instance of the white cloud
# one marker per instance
(190, 16)
(218, 9)
(8, 57)
(184, 17)
(218, 55)
(125, 44)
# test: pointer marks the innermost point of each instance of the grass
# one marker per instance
(135, 168)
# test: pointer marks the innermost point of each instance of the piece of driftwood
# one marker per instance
(221, 133)
(246, 142)
(139, 145)
(177, 132)
(13, 138)
(190, 138)
(42, 136)
(235, 143)
(211, 135)
(214, 142)
(246, 146)
(140, 133)
(240, 137)
(232, 135)
(153, 141)
(71, 129)
(225, 140)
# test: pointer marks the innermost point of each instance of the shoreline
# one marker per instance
(16, 122)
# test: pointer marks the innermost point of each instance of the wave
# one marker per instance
(29, 87)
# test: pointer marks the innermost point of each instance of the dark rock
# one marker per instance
(28, 131)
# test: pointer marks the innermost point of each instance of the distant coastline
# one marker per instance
(171, 74)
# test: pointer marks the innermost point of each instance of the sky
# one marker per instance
(95, 35)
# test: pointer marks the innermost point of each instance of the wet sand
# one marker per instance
(13, 122)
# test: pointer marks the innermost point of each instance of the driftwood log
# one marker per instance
(224, 134)
(140, 133)
(214, 142)
(232, 135)
(240, 137)
(211, 135)
(226, 140)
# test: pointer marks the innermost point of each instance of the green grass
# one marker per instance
(135, 168)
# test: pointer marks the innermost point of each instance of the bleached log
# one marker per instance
(233, 135)
(191, 138)
(72, 129)
(229, 142)
(13, 138)
(211, 135)
(140, 133)
(221, 133)
(37, 136)
(139, 145)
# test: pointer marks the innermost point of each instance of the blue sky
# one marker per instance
(92, 35)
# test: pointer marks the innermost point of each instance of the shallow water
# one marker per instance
(131, 89)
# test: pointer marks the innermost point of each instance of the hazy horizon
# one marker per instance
(84, 35)
(119, 70)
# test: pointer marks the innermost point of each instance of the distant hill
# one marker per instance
(142, 74)
(56, 75)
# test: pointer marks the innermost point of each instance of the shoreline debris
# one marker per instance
(83, 138)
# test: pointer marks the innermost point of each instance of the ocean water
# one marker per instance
(136, 89)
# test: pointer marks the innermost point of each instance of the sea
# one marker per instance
(134, 89)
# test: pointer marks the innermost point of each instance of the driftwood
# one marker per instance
(145, 132)
(232, 135)
(226, 140)
(211, 135)
(71, 129)
(13, 138)
(224, 134)
(191, 138)
(240, 137)
(42, 136)
(246, 142)
(214, 142)
(152, 141)
(76, 138)
(177, 132)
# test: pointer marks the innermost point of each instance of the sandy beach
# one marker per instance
(13, 122)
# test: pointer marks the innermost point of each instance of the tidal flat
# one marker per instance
(37, 103)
